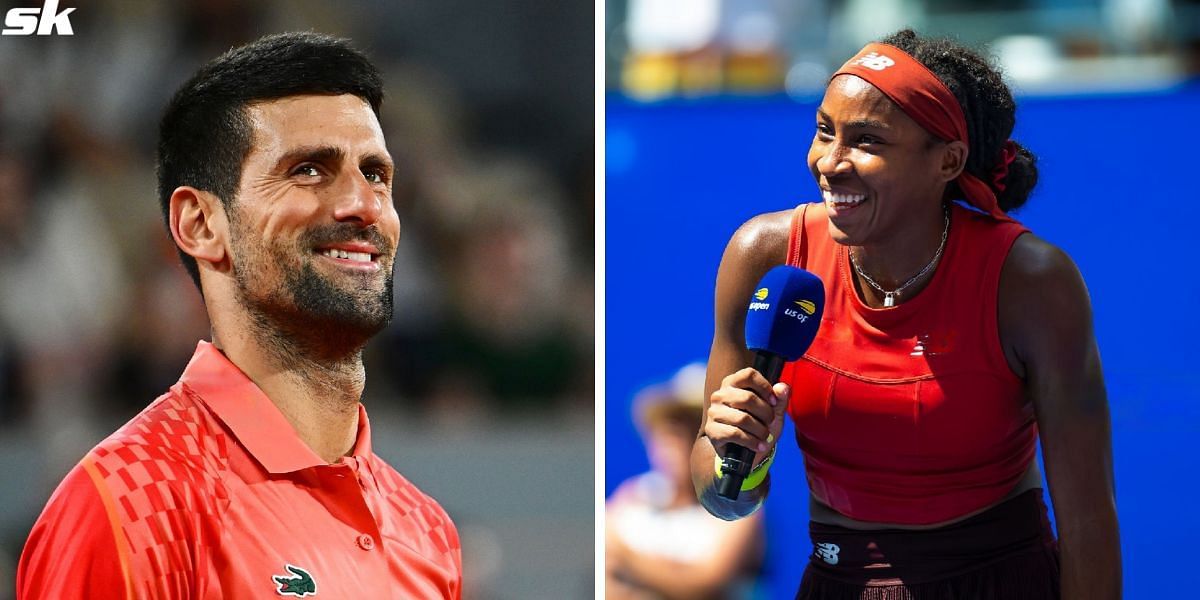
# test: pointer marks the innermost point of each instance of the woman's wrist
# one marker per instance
(706, 481)
(757, 474)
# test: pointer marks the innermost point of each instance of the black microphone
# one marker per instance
(781, 323)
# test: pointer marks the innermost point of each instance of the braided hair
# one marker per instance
(989, 109)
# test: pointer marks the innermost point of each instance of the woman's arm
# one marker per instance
(1046, 328)
(740, 405)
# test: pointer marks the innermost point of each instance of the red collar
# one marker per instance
(254, 420)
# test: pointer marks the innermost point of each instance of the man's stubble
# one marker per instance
(305, 313)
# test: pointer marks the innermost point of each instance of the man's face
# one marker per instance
(313, 227)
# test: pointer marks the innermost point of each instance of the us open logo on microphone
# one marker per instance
(46, 20)
(759, 295)
(805, 309)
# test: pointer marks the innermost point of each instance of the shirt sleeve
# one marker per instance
(456, 550)
(103, 535)
(72, 551)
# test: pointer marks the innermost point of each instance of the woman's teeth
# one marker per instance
(844, 200)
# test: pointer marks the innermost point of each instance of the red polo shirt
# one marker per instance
(209, 493)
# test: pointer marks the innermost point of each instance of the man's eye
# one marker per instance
(375, 176)
(307, 171)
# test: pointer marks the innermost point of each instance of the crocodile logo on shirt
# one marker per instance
(301, 585)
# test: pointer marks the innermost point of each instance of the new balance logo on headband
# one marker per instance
(875, 61)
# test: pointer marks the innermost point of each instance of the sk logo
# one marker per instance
(875, 61)
(301, 585)
(46, 20)
(828, 552)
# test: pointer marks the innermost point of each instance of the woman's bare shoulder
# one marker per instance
(761, 240)
(1043, 302)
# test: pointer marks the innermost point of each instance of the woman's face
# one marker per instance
(669, 447)
(874, 164)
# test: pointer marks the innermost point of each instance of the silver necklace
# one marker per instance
(889, 298)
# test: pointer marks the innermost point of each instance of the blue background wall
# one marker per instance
(1116, 193)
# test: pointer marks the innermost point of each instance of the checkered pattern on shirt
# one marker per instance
(422, 521)
(161, 471)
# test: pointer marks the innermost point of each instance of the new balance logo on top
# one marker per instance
(875, 61)
(40, 21)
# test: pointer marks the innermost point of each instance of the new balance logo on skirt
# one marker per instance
(828, 552)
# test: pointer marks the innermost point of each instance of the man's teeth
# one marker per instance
(844, 199)
(356, 256)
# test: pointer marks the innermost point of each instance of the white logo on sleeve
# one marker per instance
(828, 552)
(875, 61)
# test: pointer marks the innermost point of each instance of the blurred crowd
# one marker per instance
(494, 148)
(687, 48)
(660, 544)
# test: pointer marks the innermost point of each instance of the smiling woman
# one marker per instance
(951, 337)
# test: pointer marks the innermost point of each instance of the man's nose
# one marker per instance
(357, 200)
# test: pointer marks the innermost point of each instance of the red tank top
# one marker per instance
(910, 414)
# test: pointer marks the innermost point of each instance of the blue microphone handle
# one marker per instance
(739, 460)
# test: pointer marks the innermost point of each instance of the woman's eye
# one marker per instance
(869, 139)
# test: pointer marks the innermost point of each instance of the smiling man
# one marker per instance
(254, 475)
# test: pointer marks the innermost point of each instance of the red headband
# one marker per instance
(922, 96)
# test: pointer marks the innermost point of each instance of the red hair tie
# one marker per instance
(1008, 152)
(922, 96)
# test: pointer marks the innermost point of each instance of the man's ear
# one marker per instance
(199, 225)
(954, 160)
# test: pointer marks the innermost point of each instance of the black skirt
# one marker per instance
(1005, 553)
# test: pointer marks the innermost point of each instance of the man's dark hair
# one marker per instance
(988, 107)
(205, 134)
